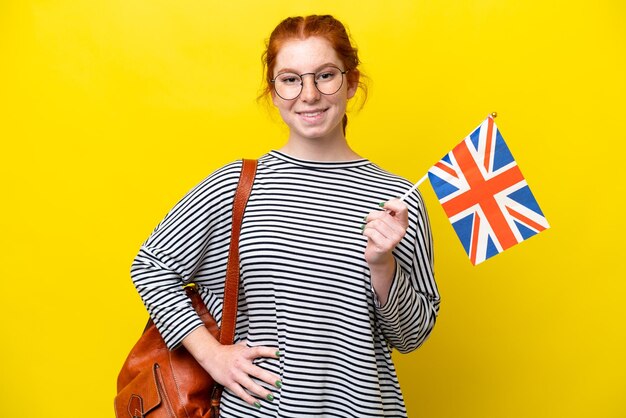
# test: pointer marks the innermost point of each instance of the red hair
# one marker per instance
(300, 27)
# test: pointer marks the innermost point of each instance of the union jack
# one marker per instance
(485, 195)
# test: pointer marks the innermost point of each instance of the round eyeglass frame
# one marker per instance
(343, 73)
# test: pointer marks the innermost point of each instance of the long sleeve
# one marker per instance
(176, 252)
(409, 314)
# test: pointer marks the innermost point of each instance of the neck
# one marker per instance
(319, 150)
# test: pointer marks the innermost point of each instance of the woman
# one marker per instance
(330, 281)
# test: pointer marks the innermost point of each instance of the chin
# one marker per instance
(320, 132)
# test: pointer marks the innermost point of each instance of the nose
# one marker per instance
(309, 93)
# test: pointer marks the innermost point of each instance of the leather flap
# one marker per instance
(152, 396)
(140, 396)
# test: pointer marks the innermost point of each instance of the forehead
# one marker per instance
(304, 55)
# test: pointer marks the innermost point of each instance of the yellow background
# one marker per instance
(111, 110)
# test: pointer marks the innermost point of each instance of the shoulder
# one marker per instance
(225, 173)
(220, 183)
(383, 175)
(397, 186)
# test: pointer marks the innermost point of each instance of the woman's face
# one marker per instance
(312, 115)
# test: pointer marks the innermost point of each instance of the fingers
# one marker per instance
(243, 370)
(238, 389)
(395, 205)
(387, 225)
(384, 225)
(384, 230)
(398, 209)
(261, 351)
(262, 375)
(246, 388)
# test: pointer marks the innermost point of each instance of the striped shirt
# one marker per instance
(305, 286)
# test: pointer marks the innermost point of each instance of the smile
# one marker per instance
(312, 115)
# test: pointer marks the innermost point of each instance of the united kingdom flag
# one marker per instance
(485, 195)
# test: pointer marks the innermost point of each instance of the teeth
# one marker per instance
(311, 114)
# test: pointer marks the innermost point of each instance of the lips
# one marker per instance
(312, 115)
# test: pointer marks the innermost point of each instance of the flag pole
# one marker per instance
(415, 186)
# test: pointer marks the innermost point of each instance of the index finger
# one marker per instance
(396, 206)
(261, 351)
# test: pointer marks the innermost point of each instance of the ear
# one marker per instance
(353, 82)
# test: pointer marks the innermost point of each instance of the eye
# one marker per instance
(289, 79)
(327, 74)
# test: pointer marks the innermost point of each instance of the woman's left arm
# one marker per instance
(408, 301)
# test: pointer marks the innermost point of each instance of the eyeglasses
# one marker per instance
(328, 81)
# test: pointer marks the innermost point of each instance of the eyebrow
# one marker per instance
(292, 70)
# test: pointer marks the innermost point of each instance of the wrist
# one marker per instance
(383, 267)
(382, 275)
(201, 345)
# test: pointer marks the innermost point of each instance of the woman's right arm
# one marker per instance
(170, 257)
